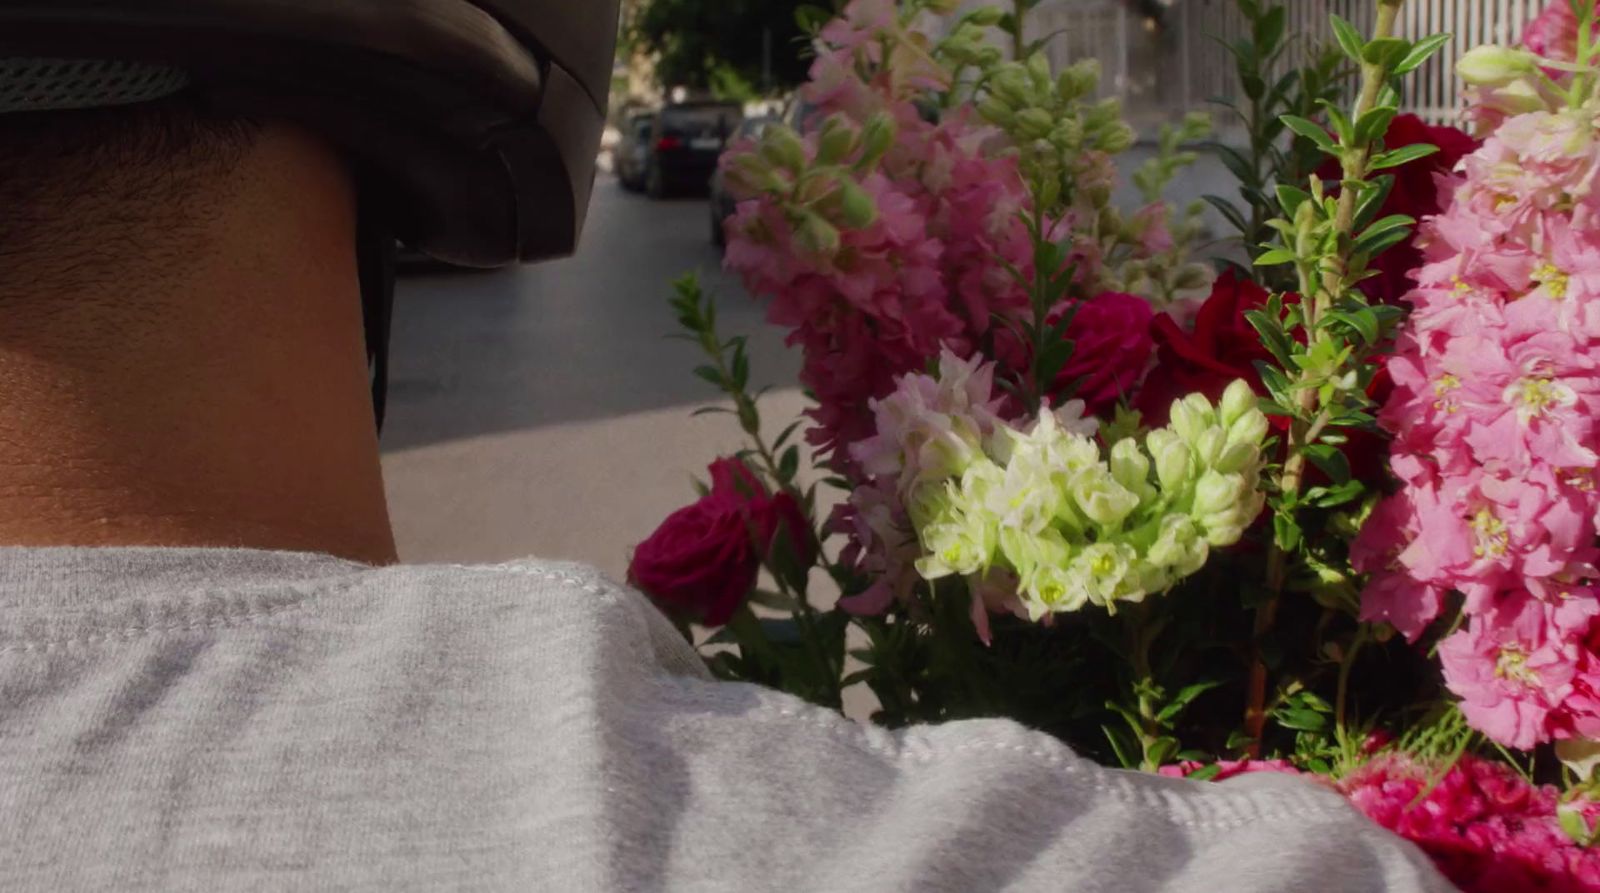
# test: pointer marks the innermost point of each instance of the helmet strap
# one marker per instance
(375, 260)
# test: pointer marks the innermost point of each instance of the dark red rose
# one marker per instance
(1416, 194)
(1222, 349)
(703, 561)
(1111, 349)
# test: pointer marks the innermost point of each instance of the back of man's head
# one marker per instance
(112, 196)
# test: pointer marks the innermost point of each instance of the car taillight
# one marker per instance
(668, 143)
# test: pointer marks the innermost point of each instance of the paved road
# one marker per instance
(575, 340)
(541, 412)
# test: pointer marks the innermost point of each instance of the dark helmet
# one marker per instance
(484, 115)
(473, 124)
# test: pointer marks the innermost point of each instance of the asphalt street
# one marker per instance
(541, 412)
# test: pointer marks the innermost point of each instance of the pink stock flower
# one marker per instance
(1494, 416)
(1554, 34)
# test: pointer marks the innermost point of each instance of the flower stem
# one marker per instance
(1317, 299)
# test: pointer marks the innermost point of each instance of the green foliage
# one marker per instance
(1324, 347)
(1287, 85)
(722, 44)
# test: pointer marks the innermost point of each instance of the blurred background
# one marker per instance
(542, 412)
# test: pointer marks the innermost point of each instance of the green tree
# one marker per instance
(730, 46)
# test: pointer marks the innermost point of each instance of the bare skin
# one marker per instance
(221, 403)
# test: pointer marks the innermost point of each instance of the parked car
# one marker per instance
(632, 155)
(723, 202)
(686, 142)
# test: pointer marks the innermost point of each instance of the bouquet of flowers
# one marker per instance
(1332, 511)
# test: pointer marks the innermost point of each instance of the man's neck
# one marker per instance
(220, 403)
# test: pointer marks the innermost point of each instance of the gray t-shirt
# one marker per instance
(203, 720)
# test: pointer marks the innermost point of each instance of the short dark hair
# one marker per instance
(85, 193)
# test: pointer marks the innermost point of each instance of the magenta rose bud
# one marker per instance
(1112, 347)
(703, 561)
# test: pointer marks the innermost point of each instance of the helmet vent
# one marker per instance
(42, 85)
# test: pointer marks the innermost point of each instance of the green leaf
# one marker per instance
(1122, 746)
(1375, 244)
(1182, 699)
(787, 433)
(1372, 197)
(1290, 198)
(1402, 155)
(1286, 533)
(1333, 497)
(1421, 52)
(1332, 462)
(1301, 720)
(1269, 29)
(1275, 257)
(1161, 750)
(1273, 337)
(1205, 773)
(789, 463)
(1374, 125)
(1386, 52)
(1229, 212)
(711, 410)
(1349, 38)
(1311, 130)
(713, 375)
(1362, 321)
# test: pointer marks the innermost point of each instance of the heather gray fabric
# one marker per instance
(197, 720)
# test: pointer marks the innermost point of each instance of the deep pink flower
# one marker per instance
(1487, 829)
(1111, 350)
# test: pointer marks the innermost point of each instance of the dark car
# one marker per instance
(631, 158)
(687, 140)
(722, 201)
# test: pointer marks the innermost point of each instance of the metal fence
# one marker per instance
(1164, 70)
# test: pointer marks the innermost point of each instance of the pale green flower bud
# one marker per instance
(1172, 459)
(836, 141)
(943, 7)
(1208, 448)
(997, 112)
(1034, 123)
(1080, 79)
(1249, 429)
(1026, 552)
(980, 482)
(1217, 492)
(989, 56)
(1118, 139)
(1237, 400)
(817, 235)
(1179, 547)
(1010, 86)
(781, 147)
(1131, 468)
(1103, 114)
(1191, 417)
(1100, 497)
(1238, 458)
(986, 16)
(1496, 66)
(877, 137)
(855, 207)
(1039, 71)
